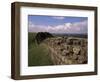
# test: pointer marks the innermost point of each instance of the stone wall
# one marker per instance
(65, 50)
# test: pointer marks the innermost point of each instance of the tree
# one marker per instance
(42, 36)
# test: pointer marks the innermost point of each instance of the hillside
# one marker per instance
(48, 49)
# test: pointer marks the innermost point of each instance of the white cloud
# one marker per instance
(77, 27)
(59, 17)
(36, 28)
(68, 24)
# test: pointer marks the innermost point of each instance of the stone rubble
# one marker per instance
(67, 50)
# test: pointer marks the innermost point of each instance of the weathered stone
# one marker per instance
(65, 52)
(68, 61)
(82, 59)
(76, 49)
(63, 58)
(74, 56)
(68, 50)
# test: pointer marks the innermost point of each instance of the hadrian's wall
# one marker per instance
(67, 50)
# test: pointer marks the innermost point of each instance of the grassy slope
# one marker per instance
(38, 55)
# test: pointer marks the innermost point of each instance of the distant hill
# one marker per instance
(71, 35)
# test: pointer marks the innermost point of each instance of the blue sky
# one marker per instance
(60, 24)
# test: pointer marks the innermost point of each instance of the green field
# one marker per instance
(38, 54)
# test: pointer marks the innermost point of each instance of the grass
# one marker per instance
(38, 55)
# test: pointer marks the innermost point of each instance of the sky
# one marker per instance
(57, 24)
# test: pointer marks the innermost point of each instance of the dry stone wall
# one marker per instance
(65, 50)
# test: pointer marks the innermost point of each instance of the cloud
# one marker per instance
(36, 28)
(77, 27)
(59, 17)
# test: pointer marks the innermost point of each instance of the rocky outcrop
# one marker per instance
(67, 50)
